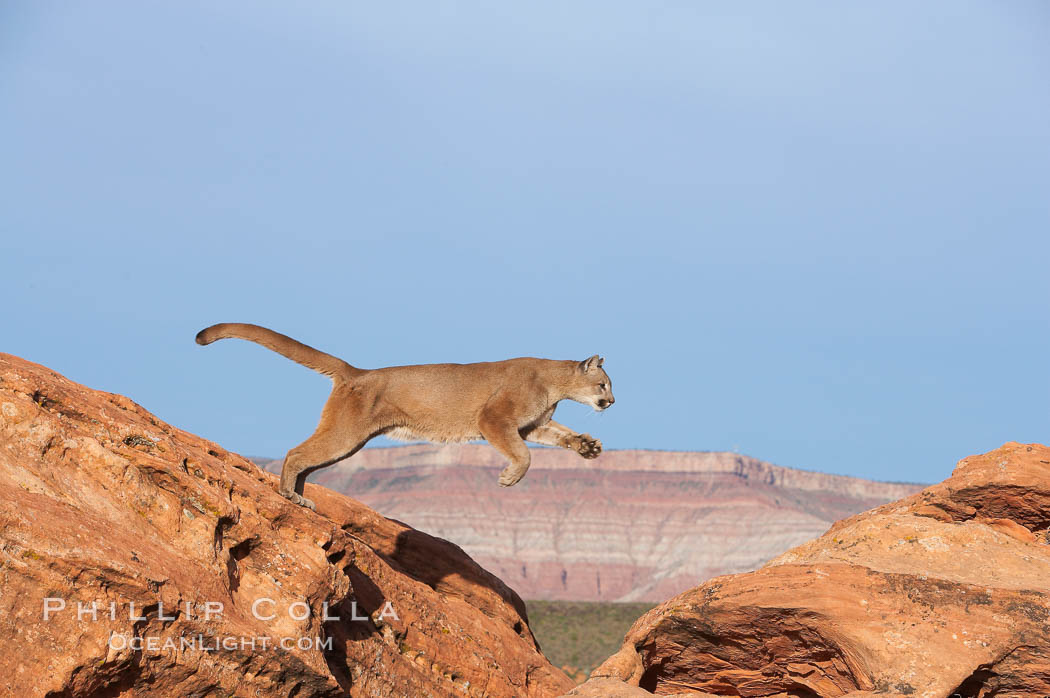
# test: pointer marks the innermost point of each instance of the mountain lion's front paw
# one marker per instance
(589, 447)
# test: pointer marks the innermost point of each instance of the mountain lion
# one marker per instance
(503, 402)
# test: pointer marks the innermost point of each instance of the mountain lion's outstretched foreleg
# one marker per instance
(504, 437)
(554, 434)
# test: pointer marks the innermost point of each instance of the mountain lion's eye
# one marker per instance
(601, 386)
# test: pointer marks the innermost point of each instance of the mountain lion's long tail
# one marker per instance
(282, 344)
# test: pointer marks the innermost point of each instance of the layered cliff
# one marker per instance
(629, 526)
(138, 559)
(944, 593)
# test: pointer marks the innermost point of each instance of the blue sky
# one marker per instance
(816, 233)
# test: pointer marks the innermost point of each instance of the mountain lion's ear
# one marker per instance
(600, 361)
(591, 363)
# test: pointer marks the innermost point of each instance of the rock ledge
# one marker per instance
(945, 592)
(101, 502)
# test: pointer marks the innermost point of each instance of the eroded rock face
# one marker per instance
(629, 526)
(102, 502)
(944, 592)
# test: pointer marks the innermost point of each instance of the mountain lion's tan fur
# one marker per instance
(503, 402)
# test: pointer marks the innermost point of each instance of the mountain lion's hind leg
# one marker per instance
(320, 450)
(345, 427)
(554, 434)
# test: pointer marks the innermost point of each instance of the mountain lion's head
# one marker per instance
(592, 385)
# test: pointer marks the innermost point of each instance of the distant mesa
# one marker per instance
(633, 525)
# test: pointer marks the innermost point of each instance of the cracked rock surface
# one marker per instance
(102, 503)
(942, 593)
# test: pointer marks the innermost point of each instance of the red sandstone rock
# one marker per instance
(629, 526)
(102, 502)
(945, 592)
